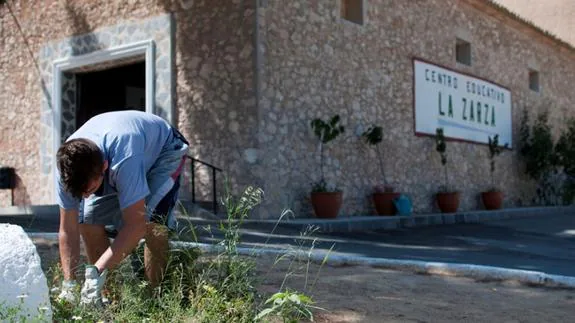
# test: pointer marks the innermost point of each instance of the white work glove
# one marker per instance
(91, 293)
(68, 292)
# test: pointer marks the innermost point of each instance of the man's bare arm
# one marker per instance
(69, 241)
(134, 229)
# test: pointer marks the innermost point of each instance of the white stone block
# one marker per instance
(22, 280)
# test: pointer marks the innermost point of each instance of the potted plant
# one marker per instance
(447, 200)
(383, 195)
(326, 201)
(493, 198)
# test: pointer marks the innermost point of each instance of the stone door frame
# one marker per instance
(108, 55)
(151, 39)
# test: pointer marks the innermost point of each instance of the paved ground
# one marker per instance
(540, 243)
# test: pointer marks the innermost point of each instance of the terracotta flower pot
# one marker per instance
(326, 205)
(492, 200)
(383, 202)
(448, 202)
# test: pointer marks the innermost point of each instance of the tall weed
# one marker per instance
(201, 287)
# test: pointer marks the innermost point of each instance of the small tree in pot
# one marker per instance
(493, 199)
(326, 202)
(447, 200)
(383, 195)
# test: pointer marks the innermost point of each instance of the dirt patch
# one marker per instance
(367, 294)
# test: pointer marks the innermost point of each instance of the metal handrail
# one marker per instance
(214, 170)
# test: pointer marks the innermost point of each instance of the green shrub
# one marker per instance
(565, 150)
(13, 313)
(541, 159)
(291, 306)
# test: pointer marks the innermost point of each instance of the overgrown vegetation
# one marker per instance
(565, 150)
(198, 287)
(14, 313)
(538, 151)
(550, 164)
(291, 306)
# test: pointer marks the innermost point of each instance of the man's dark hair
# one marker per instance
(79, 161)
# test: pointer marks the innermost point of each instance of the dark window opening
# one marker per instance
(352, 10)
(534, 80)
(463, 52)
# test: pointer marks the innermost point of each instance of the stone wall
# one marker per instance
(25, 28)
(212, 48)
(315, 64)
(158, 30)
(216, 88)
(248, 111)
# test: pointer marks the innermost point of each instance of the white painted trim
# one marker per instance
(59, 66)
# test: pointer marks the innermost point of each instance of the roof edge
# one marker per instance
(528, 23)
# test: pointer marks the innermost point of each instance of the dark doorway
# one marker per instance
(114, 89)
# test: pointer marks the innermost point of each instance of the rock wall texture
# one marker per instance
(315, 64)
(248, 111)
(25, 28)
(216, 88)
(212, 48)
(24, 285)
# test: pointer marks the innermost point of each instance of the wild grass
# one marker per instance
(202, 287)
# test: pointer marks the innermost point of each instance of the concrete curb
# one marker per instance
(477, 272)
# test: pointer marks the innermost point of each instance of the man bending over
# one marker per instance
(122, 169)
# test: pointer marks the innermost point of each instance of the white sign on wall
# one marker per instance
(467, 108)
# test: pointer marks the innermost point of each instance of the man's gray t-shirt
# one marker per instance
(130, 141)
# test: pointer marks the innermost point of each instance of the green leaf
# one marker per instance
(264, 313)
(305, 299)
(294, 298)
(373, 135)
(327, 131)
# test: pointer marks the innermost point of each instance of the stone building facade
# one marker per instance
(199, 53)
(242, 79)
